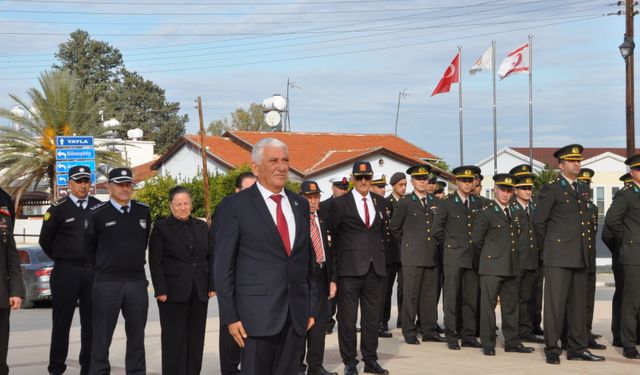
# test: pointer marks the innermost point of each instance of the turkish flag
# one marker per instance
(451, 75)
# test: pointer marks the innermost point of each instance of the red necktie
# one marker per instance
(281, 223)
(315, 239)
(367, 220)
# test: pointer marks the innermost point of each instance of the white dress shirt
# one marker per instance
(75, 200)
(286, 210)
(119, 206)
(360, 206)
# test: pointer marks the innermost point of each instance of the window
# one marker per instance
(600, 200)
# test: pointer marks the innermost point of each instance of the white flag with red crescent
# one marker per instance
(516, 62)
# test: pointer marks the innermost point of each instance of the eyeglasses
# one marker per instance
(364, 177)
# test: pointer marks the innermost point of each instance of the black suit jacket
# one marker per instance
(356, 245)
(411, 225)
(329, 269)
(257, 283)
(175, 269)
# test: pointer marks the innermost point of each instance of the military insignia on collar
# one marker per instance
(143, 223)
(563, 182)
(457, 199)
(496, 208)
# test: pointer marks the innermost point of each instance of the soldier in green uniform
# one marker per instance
(563, 231)
(452, 224)
(411, 226)
(398, 184)
(586, 174)
(495, 236)
(623, 222)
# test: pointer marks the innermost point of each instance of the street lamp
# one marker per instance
(626, 50)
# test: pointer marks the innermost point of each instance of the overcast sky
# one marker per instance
(349, 59)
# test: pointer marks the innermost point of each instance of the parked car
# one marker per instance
(36, 271)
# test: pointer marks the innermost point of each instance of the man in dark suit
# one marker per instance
(528, 253)
(623, 223)
(326, 278)
(11, 287)
(263, 267)
(495, 236)
(411, 225)
(62, 238)
(357, 221)
(562, 227)
(452, 224)
(339, 187)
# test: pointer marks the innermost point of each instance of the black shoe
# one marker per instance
(439, 329)
(471, 343)
(585, 356)
(594, 345)
(350, 370)
(412, 340)
(553, 359)
(453, 345)
(489, 351)
(538, 331)
(374, 368)
(384, 334)
(519, 349)
(383, 326)
(321, 371)
(617, 343)
(631, 353)
(532, 338)
(436, 338)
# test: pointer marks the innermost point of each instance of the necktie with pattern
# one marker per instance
(316, 240)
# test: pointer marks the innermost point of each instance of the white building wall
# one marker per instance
(187, 162)
(133, 152)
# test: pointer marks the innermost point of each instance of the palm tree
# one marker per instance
(60, 107)
(545, 175)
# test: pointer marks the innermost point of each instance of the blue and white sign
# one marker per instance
(74, 141)
(63, 179)
(64, 166)
(75, 154)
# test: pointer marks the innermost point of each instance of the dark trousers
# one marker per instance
(630, 308)
(182, 336)
(591, 300)
(230, 352)
(365, 290)
(273, 355)
(420, 299)
(4, 340)
(392, 270)
(313, 344)
(616, 302)
(537, 321)
(70, 284)
(527, 288)
(331, 309)
(460, 298)
(564, 293)
(109, 299)
(507, 288)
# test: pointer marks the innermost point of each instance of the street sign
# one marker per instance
(75, 154)
(64, 166)
(74, 141)
(63, 179)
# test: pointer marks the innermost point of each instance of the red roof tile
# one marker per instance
(143, 172)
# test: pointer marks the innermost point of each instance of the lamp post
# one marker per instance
(626, 50)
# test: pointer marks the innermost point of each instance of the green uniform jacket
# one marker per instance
(411, 226)
(623, 222)
(496, 238)
(528, 252)
(561, 223)
(10, 271)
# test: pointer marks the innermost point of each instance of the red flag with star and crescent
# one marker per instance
(450, 76)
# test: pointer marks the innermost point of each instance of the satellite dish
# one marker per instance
(275, 103)
(272, 118)
(135, 134)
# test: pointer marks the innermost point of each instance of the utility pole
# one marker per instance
(401, 94)
(630, 110)
(205, 173)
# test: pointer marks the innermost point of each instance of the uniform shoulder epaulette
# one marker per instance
(98, 206)
(449, 196)
(489, 205)
(140, 203)
(59, 201)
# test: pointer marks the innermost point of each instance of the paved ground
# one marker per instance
(29, 347)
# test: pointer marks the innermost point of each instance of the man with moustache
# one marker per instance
(357, 220)
(562, 227)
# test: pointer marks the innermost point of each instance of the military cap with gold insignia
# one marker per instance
(379, 180)
(626, 178)
(309, 187)
(520, 170)
(586, 174)
(441, 185)
(419, 172)
(633, 162)
(569, 152)
(466, 171)
(524, 181)
(505, 180)
(362, 168)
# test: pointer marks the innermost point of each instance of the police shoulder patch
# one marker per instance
(98, 206)
(47, 216)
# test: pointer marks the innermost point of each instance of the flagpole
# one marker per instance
(460, 104)
(495, 123)
(530, 99)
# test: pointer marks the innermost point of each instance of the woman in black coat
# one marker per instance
(181, 263)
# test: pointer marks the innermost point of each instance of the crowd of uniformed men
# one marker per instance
(473, 251)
